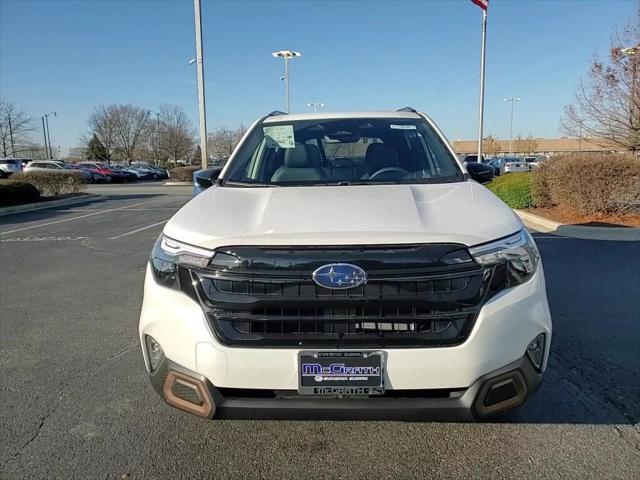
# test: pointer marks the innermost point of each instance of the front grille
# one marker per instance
(415, 296)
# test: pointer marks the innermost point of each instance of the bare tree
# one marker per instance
(525, 145)
(176, 138)
(222, 141)
(102, 123)
(491, 146)
(15, 129)
(148, 148)
(607, 102)
(129, 123)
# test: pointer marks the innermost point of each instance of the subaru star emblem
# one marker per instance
(339, 276)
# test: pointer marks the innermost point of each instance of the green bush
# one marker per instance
(514, 189)
(589, 183)
(183, 174)
(16, 193)
(52, 183)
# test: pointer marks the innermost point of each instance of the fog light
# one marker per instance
(154, 351)
(535, 351)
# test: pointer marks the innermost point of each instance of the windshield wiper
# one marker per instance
(233, 183)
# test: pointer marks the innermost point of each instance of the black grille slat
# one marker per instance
(306, 289)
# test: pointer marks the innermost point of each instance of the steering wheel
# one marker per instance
(388, 170)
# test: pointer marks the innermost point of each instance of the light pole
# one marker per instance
(157, 149)
(13, 147)
(48, 133)
(287, 55)
(512, 100)
(315, 105)
(44, 133)
(201, 101)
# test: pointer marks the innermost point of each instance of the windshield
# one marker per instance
(343, 151)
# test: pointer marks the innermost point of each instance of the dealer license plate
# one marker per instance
(340, 373)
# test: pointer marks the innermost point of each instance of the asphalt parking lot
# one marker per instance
(76, 402)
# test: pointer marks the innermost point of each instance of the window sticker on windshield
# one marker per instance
(279, 136)
(403, 127)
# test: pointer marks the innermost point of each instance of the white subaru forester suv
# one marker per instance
(345, 266)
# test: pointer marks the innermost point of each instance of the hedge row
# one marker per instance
(586, 183)
(16, 193)
(52, 183)
(183, 174)
(589, 183)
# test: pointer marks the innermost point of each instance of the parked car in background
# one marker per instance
(157, 173)
(128, 175)
(103, 169)
(536, 161)
(497, 164)
(96, 176)
(515, 164)
(54, 165)
(88, 176)
(39, 165)
(9, 166)
(142, 174)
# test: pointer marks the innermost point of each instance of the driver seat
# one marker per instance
(379, 156)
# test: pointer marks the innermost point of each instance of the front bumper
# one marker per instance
(496, 345)
(492, 394)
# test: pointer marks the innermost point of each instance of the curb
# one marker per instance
(177, 184)
(30, 207)
(542, 224)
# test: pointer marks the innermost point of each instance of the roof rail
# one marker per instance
(407, 109)
(275, 112)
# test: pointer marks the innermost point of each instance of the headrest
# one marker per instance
(296, 157)
(381, 155)
(313, 155)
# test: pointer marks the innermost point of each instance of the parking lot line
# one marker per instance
(152, 209)
(139, 230)
(73, 218)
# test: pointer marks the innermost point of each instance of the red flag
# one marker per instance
(483, 4)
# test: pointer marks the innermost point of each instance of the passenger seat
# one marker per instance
(299, 167)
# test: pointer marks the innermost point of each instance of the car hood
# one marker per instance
(464, 212)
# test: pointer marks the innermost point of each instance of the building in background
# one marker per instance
(534, 146)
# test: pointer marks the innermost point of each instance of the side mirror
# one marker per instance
(480, 172)
(203, 179)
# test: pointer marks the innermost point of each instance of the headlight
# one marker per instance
(167, 254)
(518, 252)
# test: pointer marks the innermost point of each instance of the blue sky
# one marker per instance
(70, 56)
